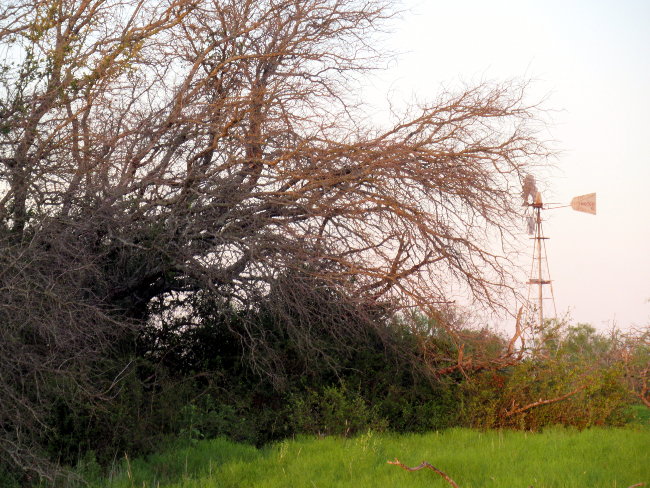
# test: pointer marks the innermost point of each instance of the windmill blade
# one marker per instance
(530, 225)
(585, 203)
(529, 188)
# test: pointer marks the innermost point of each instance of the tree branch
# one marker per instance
(424, 464)
(515, 411)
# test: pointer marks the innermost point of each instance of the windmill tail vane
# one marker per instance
(585, 203)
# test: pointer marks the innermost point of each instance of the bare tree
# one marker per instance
(214, 145)
(239, 155)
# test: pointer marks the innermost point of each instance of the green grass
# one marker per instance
(640, 415)
(555, 458)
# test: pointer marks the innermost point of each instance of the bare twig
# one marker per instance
(424, 464)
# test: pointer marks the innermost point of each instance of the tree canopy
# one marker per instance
(156, 151)
(215, 145)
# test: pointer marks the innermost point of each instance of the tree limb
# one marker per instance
(515, 411)
(424, 464)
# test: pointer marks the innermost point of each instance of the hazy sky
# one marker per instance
(591, 60)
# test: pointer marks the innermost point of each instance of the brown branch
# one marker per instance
(644, 393)
(424, 464)
(517, 334)
(545, 402)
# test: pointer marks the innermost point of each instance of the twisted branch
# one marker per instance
(424, 464)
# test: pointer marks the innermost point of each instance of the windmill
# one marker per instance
(540, 275)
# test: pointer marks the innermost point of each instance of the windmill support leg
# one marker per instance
(539, 267)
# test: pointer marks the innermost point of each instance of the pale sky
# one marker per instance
(591, 61)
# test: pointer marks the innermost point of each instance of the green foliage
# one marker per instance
(494, 400)
(9, 479)
(421, 408)
(572, 382)
(335, 411)
(244, 418)
(88, 468)
(191, 384)
(199, 387)
(143, 410)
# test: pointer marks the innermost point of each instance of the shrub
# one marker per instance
(571, 378)
(336, 410)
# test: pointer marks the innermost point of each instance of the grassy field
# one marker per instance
(556, 458)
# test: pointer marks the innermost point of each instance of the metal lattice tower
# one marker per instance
(540, 274)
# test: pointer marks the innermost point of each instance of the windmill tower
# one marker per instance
(540, 275)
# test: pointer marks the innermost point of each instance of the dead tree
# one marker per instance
(187, 146)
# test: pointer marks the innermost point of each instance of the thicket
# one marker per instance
(197, 383)
(193, 379)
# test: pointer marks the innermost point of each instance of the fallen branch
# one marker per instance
(422, 466)
(515, 410)
(510, 357)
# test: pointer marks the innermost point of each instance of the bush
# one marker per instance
(335, 410)
(571, 379)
